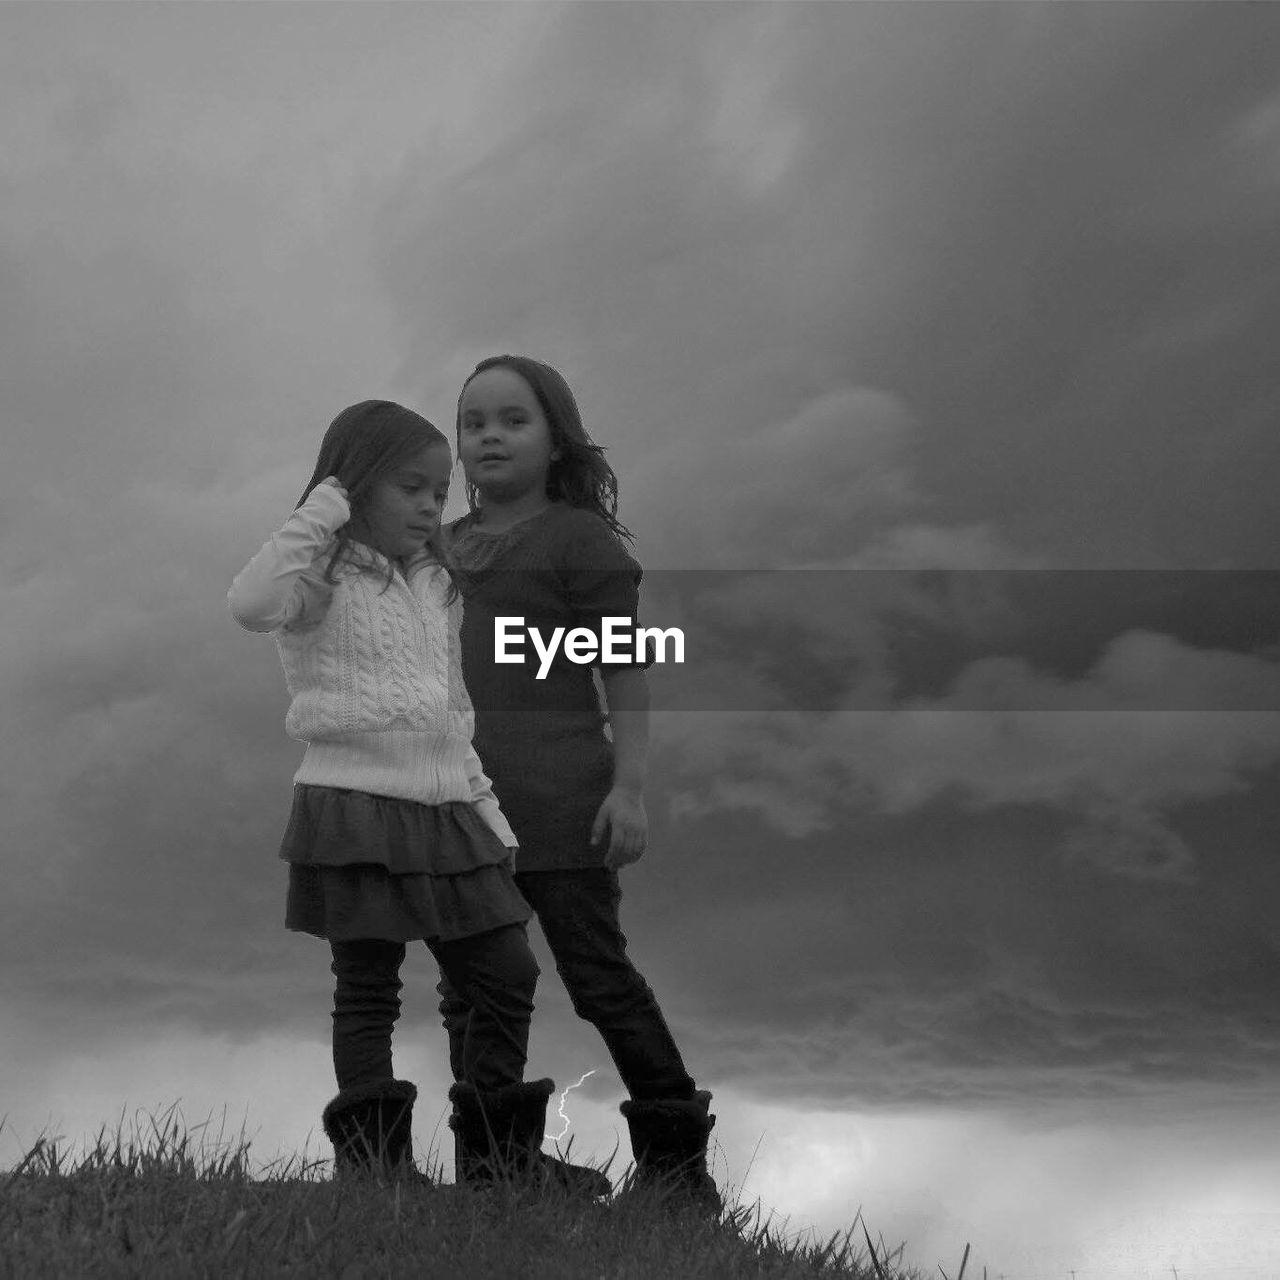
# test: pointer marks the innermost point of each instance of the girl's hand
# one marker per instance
(623, 813)
(337, 484)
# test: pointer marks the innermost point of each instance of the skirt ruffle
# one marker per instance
(366, 866)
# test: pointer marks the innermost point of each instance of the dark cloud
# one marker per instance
(948, 958)
(827, 639)
(1067, 288)
(808, 698)
(1037, 233)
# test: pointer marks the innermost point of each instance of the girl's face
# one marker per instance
(504, 440)
(403, 509)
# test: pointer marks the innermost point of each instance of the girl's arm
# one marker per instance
(603, 580)
(626, 692)
(275, 588)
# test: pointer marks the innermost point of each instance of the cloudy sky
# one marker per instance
(961, 891)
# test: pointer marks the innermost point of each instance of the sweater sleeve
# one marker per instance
(482, 796)
(282, 586)
(486, 802)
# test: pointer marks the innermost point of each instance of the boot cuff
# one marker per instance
(678, 1109)
(404, 1091)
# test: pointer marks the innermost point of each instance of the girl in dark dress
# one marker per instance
(542, 542)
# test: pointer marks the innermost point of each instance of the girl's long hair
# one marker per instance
(364, 444)
(579, 476)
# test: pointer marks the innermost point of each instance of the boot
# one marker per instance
(669, 1142)
(370, 1126)
(498, 1134)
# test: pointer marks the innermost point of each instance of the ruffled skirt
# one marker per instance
(367, 866)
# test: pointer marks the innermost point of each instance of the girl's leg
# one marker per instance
(370, 1122)
(366, 1004)
(578, 912)
(455, 1014)
(495, 974)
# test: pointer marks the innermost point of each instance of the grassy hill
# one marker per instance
(159, 1204)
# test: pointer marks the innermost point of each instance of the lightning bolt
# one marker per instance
(560, 1106)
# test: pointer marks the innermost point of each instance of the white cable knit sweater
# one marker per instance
(375, 677)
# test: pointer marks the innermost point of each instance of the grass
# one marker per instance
(167, 1202)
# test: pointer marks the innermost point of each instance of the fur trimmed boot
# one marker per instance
(669, 1142)
(371, 1128)
(498, 1134)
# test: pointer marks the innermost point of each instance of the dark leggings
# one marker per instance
(578, 912)
(496, 970)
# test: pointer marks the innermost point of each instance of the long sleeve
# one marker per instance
(278, 587)
(486, 802)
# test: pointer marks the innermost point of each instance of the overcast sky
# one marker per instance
(961, 889)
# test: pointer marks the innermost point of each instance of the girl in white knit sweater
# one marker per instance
(395, 833)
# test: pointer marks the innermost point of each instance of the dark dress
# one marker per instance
(542, 742)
